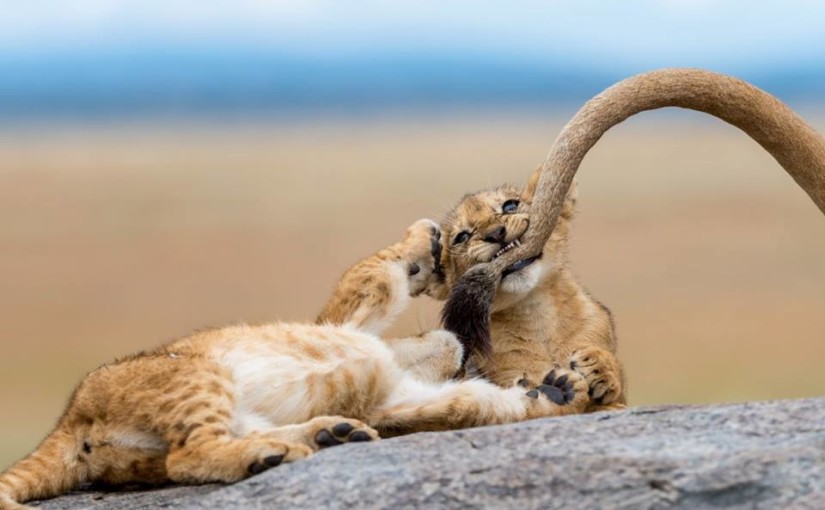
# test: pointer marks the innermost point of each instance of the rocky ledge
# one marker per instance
(752, 455)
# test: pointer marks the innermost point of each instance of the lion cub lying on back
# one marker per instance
(542, 316)
(227, 403)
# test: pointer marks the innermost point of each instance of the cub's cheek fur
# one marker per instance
(517, 285)
(467, 310)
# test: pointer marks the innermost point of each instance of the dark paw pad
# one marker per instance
(359, 437)
(325, 439)
(255, 468)
(342, 429)
(555, 394)
(268, 462)
(273, 460)
(558, 389)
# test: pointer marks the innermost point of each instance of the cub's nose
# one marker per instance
(496, 236)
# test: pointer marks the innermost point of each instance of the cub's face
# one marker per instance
(485, 225)
(482, 227)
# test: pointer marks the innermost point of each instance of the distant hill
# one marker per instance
(263, 84)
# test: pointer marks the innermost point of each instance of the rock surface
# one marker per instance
(753, 455)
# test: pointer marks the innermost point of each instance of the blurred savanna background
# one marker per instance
(166, 166)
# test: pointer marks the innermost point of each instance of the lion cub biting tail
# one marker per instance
(227, 403)
(542, 316)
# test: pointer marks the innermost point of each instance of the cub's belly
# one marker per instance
(294, 374)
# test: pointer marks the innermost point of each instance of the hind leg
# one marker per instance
(210, 454)
(416, 406)
(203, 449)
(202, 446)
(230, 459)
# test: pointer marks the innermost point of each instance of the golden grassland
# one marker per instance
(116, 238)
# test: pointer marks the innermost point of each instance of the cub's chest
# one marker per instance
(538, 321)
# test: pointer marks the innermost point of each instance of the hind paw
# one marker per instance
(335, 430)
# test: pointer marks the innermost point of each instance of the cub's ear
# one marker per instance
(569, 203)
(532, 183)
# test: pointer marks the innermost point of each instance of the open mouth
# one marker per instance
(519, 265)
(509, 246)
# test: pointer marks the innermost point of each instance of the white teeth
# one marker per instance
(508, 247)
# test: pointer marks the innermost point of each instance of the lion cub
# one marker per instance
(227, 403)
(542, 316)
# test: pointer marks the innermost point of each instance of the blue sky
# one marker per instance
(122, 56)
(640, 33)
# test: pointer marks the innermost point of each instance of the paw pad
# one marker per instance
(340, 434)
(325, 439)
(359, 437)
(342, 429)
(558, 389)
(267, 463)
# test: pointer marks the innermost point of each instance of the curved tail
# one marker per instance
(793, 143)
(52, 469)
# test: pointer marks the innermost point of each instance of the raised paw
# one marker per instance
(334, 430)
(423, 256)
(601, 371)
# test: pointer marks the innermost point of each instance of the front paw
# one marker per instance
(601, 371)
(423, 256)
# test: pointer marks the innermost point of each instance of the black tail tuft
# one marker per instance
(468, 308)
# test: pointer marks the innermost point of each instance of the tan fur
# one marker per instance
(542, 316)
(531, 325)
(225, 403)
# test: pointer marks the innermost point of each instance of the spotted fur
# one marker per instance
(225, 404)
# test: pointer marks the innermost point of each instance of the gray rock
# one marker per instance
(753, 455)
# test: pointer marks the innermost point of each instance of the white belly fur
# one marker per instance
(271, 382)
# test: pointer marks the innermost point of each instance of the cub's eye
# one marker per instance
(461, 237)
(509, 207)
